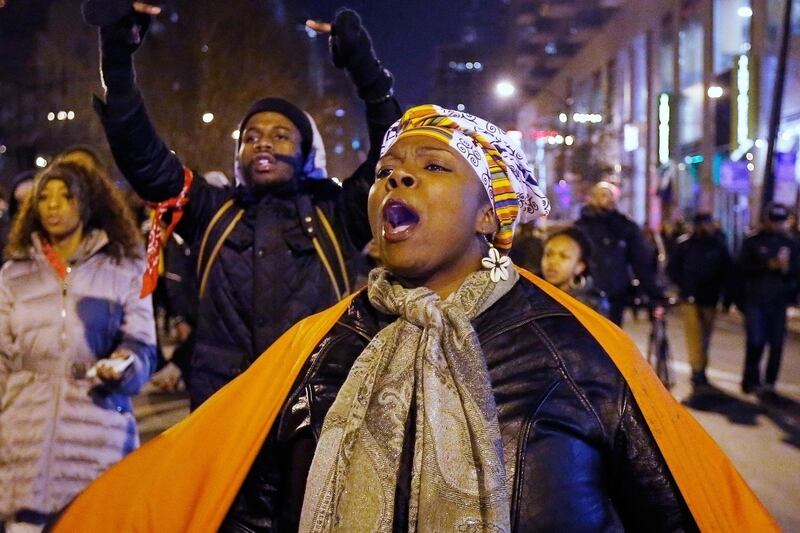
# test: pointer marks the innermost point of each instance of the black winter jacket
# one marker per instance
(267, 275)
(583, 458)
(700, 266)
(763, 285)
(619, 253)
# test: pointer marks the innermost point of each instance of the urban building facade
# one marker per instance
(672, 99)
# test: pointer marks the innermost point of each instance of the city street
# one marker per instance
(762, 439)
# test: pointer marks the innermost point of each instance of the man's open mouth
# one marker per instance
(263, 163)
(399, 220)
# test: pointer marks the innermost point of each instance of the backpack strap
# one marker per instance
(224, 217)
(326, 225)
(317, 227)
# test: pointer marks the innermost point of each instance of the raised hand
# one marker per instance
(351, 49)
(110, 12)
(318, 26)
(147, 9)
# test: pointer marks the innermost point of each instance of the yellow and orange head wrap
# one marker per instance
(502, 169)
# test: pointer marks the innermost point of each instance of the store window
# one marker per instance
(666, 48)
(732, 19)
(690, 58)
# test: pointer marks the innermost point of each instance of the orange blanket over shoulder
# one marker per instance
(186, 479)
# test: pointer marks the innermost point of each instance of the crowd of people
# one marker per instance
(606, 261)
(455, 390)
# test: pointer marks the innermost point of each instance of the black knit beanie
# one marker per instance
(288, 110)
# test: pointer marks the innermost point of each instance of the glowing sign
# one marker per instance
(631, 138)
(663, 128)
(743, 100)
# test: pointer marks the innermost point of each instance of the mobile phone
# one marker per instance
(118, 365)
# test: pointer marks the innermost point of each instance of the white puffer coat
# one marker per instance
(58, 429)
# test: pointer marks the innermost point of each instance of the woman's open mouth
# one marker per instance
(399, 221)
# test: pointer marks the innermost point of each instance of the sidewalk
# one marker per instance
(735, 317)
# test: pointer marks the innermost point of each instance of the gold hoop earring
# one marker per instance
(577, 283)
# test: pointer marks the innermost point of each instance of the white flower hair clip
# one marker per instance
(496, 264)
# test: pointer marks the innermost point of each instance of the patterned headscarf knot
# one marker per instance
(502, 168)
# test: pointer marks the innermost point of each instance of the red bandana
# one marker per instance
(159, 234)
(55, 260)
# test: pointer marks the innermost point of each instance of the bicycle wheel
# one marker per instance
(663, 363)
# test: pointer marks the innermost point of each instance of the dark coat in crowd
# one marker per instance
(267, 275)
(762, 285)
(619, 253)
(700, 266)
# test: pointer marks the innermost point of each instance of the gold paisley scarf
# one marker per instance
(429, 359)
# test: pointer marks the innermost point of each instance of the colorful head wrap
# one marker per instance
(502, 169)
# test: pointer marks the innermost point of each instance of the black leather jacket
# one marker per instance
(576, 445)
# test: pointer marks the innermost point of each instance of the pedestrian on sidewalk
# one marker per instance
(700, 265)
(620, 252)
(769, 266)
(285, 242)
(69, 302)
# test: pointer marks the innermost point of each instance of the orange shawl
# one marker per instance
(186, 478)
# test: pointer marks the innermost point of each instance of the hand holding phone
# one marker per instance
(111, 368)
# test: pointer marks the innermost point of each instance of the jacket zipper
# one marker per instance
(62, 342)
(63, 334)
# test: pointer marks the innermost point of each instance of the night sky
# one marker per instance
(404, 33)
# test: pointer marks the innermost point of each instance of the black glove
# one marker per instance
(105, 12)
(351, 49)
(121, 33)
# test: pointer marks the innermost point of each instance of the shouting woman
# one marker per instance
(453, 394)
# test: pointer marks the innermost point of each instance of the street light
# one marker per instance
(504, 89)
(715, 91)
(41, 162)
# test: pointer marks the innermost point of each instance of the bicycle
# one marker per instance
(659, 354)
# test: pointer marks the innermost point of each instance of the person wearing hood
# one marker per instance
(284, 242)
(620, 253)
(455, 393)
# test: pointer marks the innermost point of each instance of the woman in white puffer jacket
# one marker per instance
(69, 301)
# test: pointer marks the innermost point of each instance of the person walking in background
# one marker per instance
(565, 264)
(700, 266)
(769, 264)
(619, 251)
(20, 189)
(286, 241)
(69, 308)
